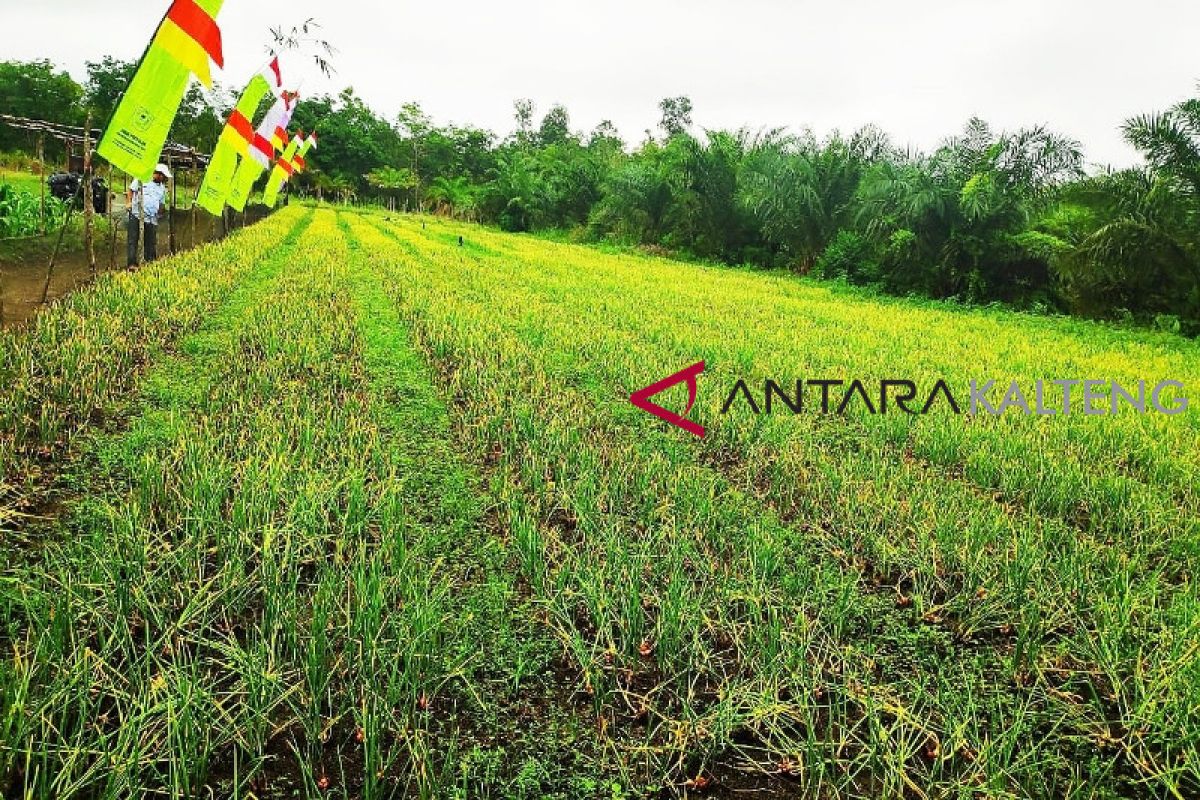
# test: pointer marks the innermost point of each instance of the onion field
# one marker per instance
(355, 504)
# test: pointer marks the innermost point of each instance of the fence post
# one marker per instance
(58, 246)
(89, 210)
(141, 245)
(112, 222)
(194, 197)
(42, 176)
(171, 214)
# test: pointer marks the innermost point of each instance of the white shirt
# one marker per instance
(153, 196)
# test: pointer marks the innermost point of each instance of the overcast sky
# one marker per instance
(919, 69)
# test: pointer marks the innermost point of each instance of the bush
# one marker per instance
(848, 256)
(20, 212)
(900, 266)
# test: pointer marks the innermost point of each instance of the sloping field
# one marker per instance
(345, 507)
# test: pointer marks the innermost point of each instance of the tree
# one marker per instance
(391, 180)
(354, 139)
(956, 223)
(35, 89)
(523, 114)
(1133, 246)
(676, 115)
(707, 218)
(1170, 141)
(414, 122)
(555, 127)
(106, 82)
(511, 196)
(635, 197)
(803, 192)
(202, 117)
(454, 196)
(1131, 241)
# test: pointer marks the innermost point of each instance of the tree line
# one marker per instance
(988, 216)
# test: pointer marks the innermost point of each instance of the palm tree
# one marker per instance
(1135, 247)
(955, 222)
(453, 196)
(1170, 141)
(1135, 244)
(802, 192)
(391, 180)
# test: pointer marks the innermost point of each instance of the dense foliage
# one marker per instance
(35, 89)
(988, 216)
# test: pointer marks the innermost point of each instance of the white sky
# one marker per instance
(918, 69)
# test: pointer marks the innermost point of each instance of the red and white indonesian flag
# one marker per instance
(274, 76)
(276, 120)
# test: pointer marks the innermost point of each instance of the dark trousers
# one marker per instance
(134, 233)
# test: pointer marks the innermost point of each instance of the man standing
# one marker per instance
(147, 199)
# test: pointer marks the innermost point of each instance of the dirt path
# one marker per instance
(23, 262)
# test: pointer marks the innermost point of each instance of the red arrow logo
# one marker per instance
(641, 399)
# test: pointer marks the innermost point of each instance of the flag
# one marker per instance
(285, 167)
(262, 150)
(298, 162)
(271, 136)
(190, 34)
(274, 76)
(236, 141)
(186, 41)
(279, 175)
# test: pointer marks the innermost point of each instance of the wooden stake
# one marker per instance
(58, 246)
(89, 210)
(141, 246)
(112, 223)
(171, 216)
(195, 197)
(42, 176)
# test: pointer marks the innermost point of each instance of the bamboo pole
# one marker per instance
(58, 246)
(89, 210)
(171, 215)
(112, 223)
(141, 245)
(42, 176)
(194, 196)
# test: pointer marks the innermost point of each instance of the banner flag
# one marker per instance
(281, 173)
(298, 163)
(236, 140)
(186, 41)
(262, 150)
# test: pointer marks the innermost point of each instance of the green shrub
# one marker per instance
(20, 212)
(848, 256)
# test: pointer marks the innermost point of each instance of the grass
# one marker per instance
(339, 507)
(21, 181)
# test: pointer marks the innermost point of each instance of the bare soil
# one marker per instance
(24, 262)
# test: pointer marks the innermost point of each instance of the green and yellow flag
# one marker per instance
(186, 41)
(236, 141)
(272, 128)
(284, 168)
